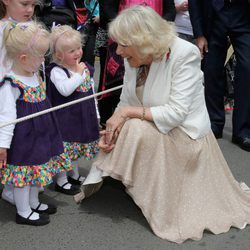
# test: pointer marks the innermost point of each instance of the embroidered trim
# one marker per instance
(41, 175)
(77, 150)
(30, 94)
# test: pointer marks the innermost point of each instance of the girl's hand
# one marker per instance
(80, 66)
(3, 157)
(114, 125)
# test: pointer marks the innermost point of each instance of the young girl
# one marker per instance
(31, 152)
(69, 79)
(14, 11)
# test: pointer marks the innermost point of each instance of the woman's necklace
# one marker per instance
(142, 75)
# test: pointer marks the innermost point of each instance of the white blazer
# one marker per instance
(173, 90)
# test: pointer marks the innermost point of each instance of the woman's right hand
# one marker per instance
(3, 157)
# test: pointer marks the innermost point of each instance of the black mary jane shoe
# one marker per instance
(76, 182)
(72, 191)
(52, 209)
(43, 220)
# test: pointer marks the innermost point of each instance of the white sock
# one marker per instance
(74, 173)
(34, 201)
(62, 179)
(21, 197)
(8, 194)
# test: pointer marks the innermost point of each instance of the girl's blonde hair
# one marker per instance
(142, 27)
(3, 10)
(63, 37)
(24, 37)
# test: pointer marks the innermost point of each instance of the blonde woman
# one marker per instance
(159, 142)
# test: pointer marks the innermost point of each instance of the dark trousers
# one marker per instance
(103, 56)
(89, 47)
(233, 21)
(106, 104)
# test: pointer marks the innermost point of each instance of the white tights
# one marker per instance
(26, 198)
(62, 177)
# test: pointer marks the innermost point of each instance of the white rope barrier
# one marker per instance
(25, 118)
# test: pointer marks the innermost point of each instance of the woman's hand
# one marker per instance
(3, 157)
(103, 145)
(114, 125)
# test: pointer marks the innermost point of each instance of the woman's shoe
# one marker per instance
(40, 189)
(87, 191)
(72, 191)
(43, 220)
(76, 182)
(52, 209)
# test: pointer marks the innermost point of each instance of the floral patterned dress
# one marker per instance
(36, 153)
(78, 123)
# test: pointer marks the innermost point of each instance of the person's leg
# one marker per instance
(38, 206)
(63, 186)
(107, 107)
(213, 67)
(24, 214)
(89, 47)
(74, 176)
(240, 37)
(8, 194)
(102, 102)
(22, 198)
(103, 56)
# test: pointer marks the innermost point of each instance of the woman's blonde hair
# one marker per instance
(62, 37)
(24, 37)
(142, 27)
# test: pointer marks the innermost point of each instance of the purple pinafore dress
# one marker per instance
(78, 123)
(36, 153)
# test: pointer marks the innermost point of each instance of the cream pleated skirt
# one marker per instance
(183, 186)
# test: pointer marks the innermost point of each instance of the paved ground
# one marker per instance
(110, 220)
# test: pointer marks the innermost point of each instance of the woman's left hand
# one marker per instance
(114, 125)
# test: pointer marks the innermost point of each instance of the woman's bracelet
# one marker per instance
(143, 113)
